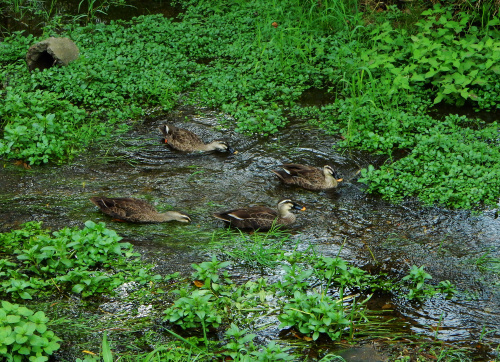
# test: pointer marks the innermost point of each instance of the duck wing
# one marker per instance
(124, 208)
(304, 176)
(258, 217)
(185, 136)
(297, 170)
(183, 140)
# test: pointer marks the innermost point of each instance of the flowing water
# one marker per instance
(362, 229)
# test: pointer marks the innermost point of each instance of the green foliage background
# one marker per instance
(229, 56)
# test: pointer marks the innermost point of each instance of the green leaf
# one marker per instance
(78, 288)
(431, 73)
(8, 340)
(90, 224)
(52, 346)
(464, 93)
(21, 339)
(417, 77)
(30, 328)
(439, 98)
(41, 328)
(12, 319)
(25, 295)
(25, 350)
(106, 350)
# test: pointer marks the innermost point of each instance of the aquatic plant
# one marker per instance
(24, 334)
(261, 249)
(204, 304)
(418, 289)
(315, 314)
(238, 346)
(448, 165)
(40, 263)
(448, 53)
(200, 307)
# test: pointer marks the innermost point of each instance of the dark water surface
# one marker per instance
(34, 15)
(348, 222)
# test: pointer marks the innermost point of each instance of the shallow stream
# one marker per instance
(362, 229)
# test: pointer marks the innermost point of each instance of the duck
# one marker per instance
(308, 177)
(134, 210)
(260, 217)
(181, 139)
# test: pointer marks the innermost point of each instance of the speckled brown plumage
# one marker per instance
(308, 177)
(135, 210)
(260, 217)
(181, 139)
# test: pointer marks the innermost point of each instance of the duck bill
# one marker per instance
(231, 150)
(298, 207)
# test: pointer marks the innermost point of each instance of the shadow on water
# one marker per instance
(362, 229)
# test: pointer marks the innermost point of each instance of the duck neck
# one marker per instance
(209, 147)
(287, 218)
(330, 181)
(161, 217)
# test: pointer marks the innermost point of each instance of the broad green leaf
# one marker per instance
(12, 319)
(25, 295)
(417, 77)
(25, 350)
(431, 73)
(77, 288)
(438, 98)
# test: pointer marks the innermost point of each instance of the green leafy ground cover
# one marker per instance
(210, 314)
(37, 263)
(253, 61)
(228, 55)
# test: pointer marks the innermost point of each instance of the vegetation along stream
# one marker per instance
(399, 263)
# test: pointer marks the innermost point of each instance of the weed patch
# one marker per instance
(24, 334)
(86, 262)
(208, 314)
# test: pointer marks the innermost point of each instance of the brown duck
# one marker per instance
(181, 139)
(308, 177)
(261, 217)
(135, 210)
